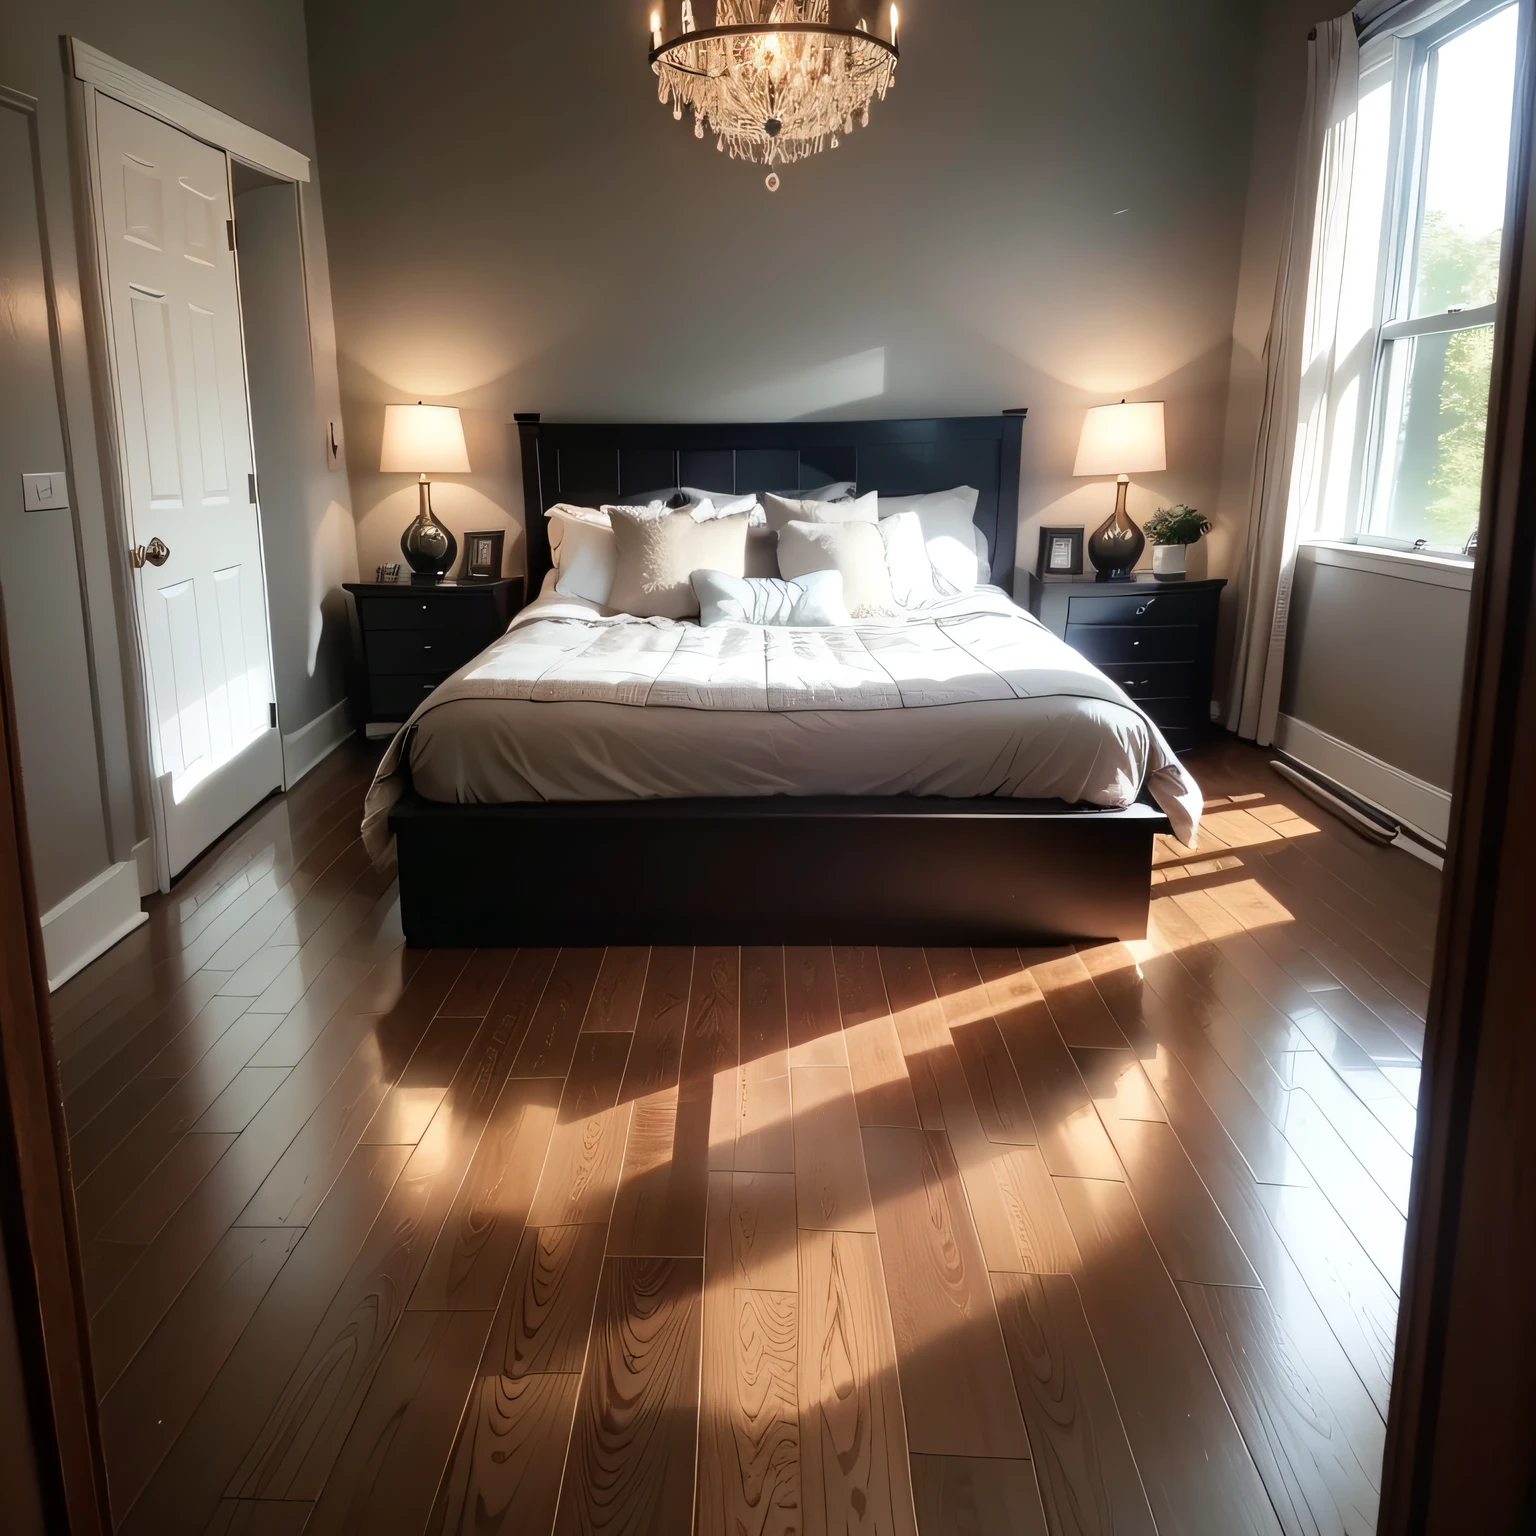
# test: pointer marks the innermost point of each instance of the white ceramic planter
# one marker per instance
(1169, 559)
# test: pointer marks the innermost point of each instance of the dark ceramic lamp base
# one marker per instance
(1117, 544)
(429, 548)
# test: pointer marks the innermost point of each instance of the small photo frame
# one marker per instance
(1061, 553)
(482, 555)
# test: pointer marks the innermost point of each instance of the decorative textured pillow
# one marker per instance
(906, 561)
(657, 557)
(814, 600)
(947, 519)
(854, 549)
(782, 510)
(587, 556)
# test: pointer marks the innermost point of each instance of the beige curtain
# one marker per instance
(1299, 357)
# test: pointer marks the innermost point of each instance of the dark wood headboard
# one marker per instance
(589, 464)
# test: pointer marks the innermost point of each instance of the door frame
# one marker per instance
(92, 74)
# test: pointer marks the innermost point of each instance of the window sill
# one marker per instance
(1401, 565)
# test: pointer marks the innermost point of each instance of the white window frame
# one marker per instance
(1408, 55)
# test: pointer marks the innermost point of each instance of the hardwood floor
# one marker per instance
(758, 1240)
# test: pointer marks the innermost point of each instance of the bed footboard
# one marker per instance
(783, 870)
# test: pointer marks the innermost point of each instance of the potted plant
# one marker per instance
(1172, 530)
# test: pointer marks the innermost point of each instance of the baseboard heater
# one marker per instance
(1360, 815)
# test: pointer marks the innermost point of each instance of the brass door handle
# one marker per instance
(155, 553)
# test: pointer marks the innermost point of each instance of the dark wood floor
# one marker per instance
(752, 1240)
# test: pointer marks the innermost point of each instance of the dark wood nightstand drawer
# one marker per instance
(1174, 714)
(1183, 738)
(394, 696)
(418, 613)
(1160, 680)
(433, 650)
(1124, 642)
(1143, 608)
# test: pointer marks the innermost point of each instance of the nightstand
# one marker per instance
(416, 633)
(1157, 639)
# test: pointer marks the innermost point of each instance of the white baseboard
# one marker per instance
(1418, 805)
(91, 920)
(311, 744)
(144, 857)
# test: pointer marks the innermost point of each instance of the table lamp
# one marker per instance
(425, 440)
(1120, 440)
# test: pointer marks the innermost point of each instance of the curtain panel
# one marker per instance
(1299, 356)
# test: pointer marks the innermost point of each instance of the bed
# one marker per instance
(955, 775)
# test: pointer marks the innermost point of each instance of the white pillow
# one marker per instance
(814, 600)
(906, 561)
(703, 505)
(855, 549)
(587, 557)
(947, 519)
(983, 556)
(782, 510)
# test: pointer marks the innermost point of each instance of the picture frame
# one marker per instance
(482, 555)
(1061, 553)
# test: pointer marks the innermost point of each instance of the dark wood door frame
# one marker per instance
(37, 1203)
(1461, 1434)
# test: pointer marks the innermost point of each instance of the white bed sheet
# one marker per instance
(972, 698)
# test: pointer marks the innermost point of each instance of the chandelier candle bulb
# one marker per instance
(655, 29)
(895, 19)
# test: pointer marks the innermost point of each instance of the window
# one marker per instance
(1418, 289)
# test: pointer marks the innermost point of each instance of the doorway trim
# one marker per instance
(136, 89)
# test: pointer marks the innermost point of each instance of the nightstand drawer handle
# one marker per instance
(425, 646)
(1145, 606)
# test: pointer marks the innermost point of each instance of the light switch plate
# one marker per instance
(45, 493)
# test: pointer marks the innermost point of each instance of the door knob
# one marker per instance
(156, 553)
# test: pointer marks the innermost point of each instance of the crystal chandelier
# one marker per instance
(773, 80)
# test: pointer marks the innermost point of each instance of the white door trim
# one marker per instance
(180, 110)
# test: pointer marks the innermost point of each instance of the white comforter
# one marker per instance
(970, 698)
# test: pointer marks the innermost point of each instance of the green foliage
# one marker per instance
(1176, 525)
(1456, 482)
(1455, 267)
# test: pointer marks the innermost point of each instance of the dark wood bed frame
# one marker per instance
(847, 870)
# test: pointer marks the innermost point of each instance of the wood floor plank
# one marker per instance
(335, 993)
(920, 1027)
(657, 1052)
(1118, 1085)
(152, 1400)
(1196, 1469)
(510, 1450)
(259, 1517)
(236, 1107)
(506, 1467)
(1075, 1005)
(974, 1496)
(479, 982)
(1083, 1463)
(632, 1451)
(955, 1386)
(411, 1101)
(1025, 1230)
(881, 1088)
(1186, 1228)
(156, 1200)
(586, 1151)
(184, 1494)
(389, 1468)
(1315, 1480)
(1071, 1138)
(297, 1448)
(815, 1023)
(467, 1267)
(616, 997)
(750, 1243)
(855, 1474)
(831, 1188)
(764, 1136)
(749, 1420)
(550, 1043)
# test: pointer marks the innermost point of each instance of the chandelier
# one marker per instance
(773, 80)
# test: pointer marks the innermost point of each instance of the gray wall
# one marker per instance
(1376, 661)
(307, 534)
(39, 572)
(247, 58)
(1046, 212)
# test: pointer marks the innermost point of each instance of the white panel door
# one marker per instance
(174, 311)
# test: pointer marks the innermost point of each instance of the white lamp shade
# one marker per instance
(1122, 440)
(423, 440)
